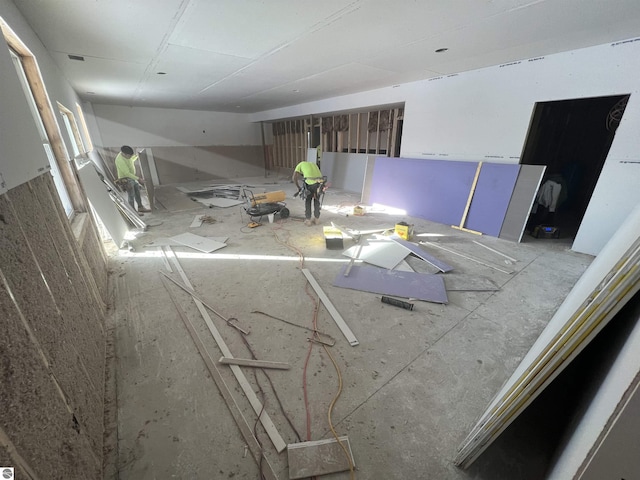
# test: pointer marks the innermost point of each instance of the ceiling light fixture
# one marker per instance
(441, 50)
(161, 73)
(79, 58)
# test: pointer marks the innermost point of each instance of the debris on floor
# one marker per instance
(320, 457)
(197, 242)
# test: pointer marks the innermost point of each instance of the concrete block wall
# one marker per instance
(52, 349)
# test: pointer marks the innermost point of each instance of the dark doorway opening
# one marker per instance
(572, 138)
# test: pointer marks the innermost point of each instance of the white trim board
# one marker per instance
(257, 406)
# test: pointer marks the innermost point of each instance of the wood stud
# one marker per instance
(291, 146)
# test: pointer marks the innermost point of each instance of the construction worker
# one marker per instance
(127, 176)
(313, 182)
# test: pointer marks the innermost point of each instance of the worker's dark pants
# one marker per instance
(133, 190)
(312, 194)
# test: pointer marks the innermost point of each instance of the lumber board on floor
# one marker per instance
(247, 362)
(236, 413)
(265, 420)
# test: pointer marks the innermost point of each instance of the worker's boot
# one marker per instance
(307, 222)
(316, 221)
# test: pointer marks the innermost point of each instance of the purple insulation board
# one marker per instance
(422, 286)
(435, 190)
(491, 197)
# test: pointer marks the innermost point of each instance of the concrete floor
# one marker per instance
(412, 390)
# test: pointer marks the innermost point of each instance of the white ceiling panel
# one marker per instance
(251, 28)
(521, 34)
(123, 30)
(352, 76)
(108, 78)
(250, 55)
(190, 69)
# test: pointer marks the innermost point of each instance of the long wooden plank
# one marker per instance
(471, 192)
(266, 421)
(466, 208)
(236, 413)
(247, 362)
(342, 325)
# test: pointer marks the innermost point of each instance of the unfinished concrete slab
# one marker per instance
(411, 389)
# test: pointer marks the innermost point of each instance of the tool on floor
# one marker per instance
(397, 303)
(253, 224)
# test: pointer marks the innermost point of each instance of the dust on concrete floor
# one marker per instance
(412, 389)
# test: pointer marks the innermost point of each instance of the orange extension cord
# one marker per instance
(316, 304)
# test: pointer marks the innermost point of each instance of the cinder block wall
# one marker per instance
(53, 288)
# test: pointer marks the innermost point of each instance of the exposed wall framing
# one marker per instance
(373, 132)
(290, 142)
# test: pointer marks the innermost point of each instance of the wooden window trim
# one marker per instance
(34, 78)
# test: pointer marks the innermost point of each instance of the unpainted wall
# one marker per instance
(484, 115)
(190, 164)
(52, 351)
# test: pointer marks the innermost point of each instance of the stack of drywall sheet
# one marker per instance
(498, 203)
(385, 255)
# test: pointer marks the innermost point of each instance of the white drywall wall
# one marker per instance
(169, 127)
(345, 170)
(485, 114)
(22, 156)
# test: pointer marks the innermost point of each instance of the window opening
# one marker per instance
(72, 129)
(44, 138)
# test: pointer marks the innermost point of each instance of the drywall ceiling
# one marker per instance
(256, 55)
